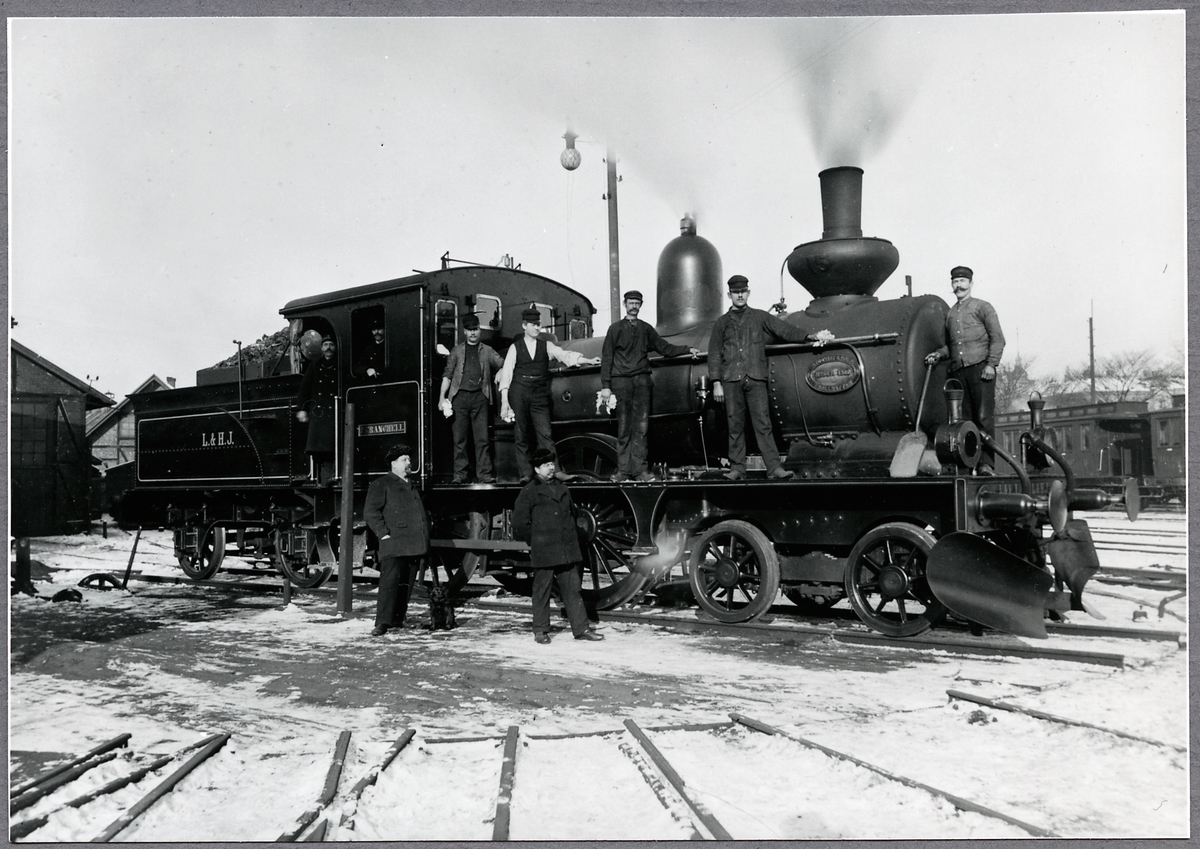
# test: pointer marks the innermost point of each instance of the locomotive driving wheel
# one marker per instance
(302, 568)
(202, 563)
(606, 530)
(734, 571)
(885, 580)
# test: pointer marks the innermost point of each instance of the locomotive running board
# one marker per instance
(985, 584)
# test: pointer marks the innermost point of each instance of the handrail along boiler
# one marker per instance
(903, 551)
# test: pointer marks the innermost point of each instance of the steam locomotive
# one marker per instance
(224, 465)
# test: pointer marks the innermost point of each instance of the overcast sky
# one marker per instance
(175, 181)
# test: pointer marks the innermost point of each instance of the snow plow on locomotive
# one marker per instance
(902, 545)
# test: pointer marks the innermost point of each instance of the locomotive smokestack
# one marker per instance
(689, 281)
(843, 264)
(841, 202)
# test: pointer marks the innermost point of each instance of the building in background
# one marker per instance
(110, 430)
(50, 465)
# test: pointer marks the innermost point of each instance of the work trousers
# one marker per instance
(740, 396)
(567, 577)
(530, 402)
(979, 404)
(470, 417)
(633, 420)
(395, 584)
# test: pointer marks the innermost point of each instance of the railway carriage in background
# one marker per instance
(224, 465)
(1109, 442)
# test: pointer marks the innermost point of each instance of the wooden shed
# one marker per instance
(50, 464)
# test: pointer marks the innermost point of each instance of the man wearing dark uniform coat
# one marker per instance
(466, 395)
(974, 345)
(737, 367)
(625, 372)
(544, 516)
(525, 387)
(395, 513)
(371, 365)
(318, 391)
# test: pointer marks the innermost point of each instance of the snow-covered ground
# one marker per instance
(172, 664)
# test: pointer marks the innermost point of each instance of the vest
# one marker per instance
(529, 369)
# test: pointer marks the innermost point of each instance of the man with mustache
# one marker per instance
(625, 372)
(974, 344)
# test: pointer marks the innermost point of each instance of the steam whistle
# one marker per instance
(957, 442)
(1035, 456)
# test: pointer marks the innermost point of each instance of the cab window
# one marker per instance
(368, 342)
(446, 319)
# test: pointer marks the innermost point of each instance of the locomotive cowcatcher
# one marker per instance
(224, 465)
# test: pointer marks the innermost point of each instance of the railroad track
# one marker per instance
(507, 786)
(781, 622)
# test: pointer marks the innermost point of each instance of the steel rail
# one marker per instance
(664, 766)
(1050, 717)
(32, 797)
(957, 801)
(659, 789)
(26, 827)
(949, 643)
(212, 745)
(372, 776)
(508, 770)
(332, 777)
(690, 726)
(115, 743)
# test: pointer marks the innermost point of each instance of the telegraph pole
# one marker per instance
(1092, 350)
(614, 252)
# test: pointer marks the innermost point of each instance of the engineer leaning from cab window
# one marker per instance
(544, 516)
(395, 513)
(466, 394)
(974, 345)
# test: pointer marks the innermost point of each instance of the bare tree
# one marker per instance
(1125, 374)
(1014, 383)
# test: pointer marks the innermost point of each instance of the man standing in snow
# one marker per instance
(544, 516)
(395, 513)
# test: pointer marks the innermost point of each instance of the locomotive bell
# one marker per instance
(843, 263)
(689, 281)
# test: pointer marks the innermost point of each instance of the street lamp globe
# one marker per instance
(570, 157)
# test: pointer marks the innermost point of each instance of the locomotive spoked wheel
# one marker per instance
(606, 529)
(302, 569)
(885, 580)
(203, 564)
(734, 571)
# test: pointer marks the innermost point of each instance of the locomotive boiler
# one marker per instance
(224, 465)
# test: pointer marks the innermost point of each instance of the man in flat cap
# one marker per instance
(466, 394)
(625, 372)
(974, 345)
(525, 386)
(737, 368)
(316, 403)
(544, 516)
